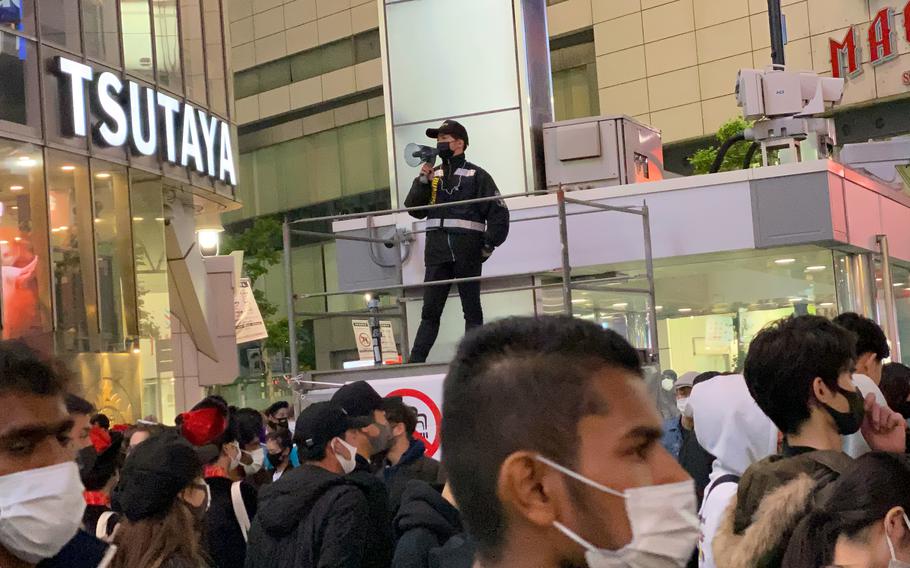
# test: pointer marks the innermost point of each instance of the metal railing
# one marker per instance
(402, 239)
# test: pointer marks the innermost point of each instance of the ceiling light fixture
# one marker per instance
(621, 305)
(783, 261)
(16, 188)
(815, 268)
(684, 310)
(67, 168)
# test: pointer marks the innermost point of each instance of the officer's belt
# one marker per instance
(455, 224)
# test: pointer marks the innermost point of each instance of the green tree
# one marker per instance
(262, 249)
(703, 158)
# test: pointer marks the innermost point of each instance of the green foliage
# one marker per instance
(703, 158)
(262, 248)
(306, 343)
(261, 245)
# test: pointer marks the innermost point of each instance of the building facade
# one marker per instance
(116, 134)
(313, 135)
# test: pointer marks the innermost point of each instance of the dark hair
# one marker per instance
(895, 386)
(397, 412)
(706, 376)
(78, 405)
(785, 358)
(249, 425)
(283, 437)
(869, 336)
(276, 406)
(874, 484)
(520, 384)
(101, 420)
(23, 370)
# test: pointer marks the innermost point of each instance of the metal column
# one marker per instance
(653, 339)
(776, 26)
(564, 240)
(289, 291)
(890, 318)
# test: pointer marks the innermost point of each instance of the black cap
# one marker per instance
(318, 424)
(154, 475)
(358, 400)
(452, 128)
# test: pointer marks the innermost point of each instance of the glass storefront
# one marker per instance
(82, 223)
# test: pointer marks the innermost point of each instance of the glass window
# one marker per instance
(336, 55)
(246, 83)
(23, 241)
(214, 56)
(60, 23)
(306, 65)
(113, 250)
(101, 32)
(137, 38)
(366, 46)
(58, 123)
(193, 50)
(274, 75)
(18, 15)
(20, 102)
(167, 45)
(71, 250)
(575, 92)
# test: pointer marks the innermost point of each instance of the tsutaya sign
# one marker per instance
(847, 55)
(130, 115)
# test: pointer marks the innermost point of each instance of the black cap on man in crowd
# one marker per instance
(452, 128)
(317, 425)
(358, 400)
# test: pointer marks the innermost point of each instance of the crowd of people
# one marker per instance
(554, 456)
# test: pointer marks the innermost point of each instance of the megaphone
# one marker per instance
(415, 154)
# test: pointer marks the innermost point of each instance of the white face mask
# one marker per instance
(258, 457)
(235, 458)
(663, 521)
(40, 510)
(347, 464)
(895, 563)
(681, 404)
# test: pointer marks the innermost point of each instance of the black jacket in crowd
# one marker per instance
(377, 552)
(311, 518)
(83, 551)
(425, 525)
(460, 180)
(224, 541)
(414, 464)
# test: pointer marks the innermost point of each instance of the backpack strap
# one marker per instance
(729, 478)
(243, 518)
(101, 526)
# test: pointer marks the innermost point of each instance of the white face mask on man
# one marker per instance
(681, 404)
(663, 521)
(40, 510)
(347, 464)
(258, 457)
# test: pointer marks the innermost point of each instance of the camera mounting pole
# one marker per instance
(776, 26)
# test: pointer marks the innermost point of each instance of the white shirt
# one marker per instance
(855, 445)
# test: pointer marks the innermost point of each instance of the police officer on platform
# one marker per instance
(460, 238)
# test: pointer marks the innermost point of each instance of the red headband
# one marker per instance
(203, 426)
(100, 438)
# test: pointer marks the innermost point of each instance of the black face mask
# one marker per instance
(276, 424)
(276, 459)
(848, 422)
(85, 459)
(445, 150)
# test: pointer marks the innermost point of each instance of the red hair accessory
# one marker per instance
(120, 427)
(203, 426)
(100, 438)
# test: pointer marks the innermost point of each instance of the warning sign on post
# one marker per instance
(363, 336)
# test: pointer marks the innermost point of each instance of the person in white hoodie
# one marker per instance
(731, 426)
(871, 351)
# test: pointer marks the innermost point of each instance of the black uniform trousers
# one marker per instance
(464, 264)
